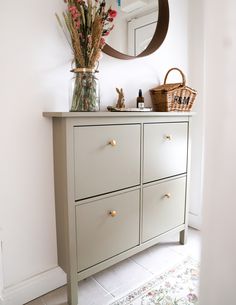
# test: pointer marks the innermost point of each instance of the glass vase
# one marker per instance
(85, 90)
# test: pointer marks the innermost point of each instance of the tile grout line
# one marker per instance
(111, 292)
(150, 276)
(108, 292)
(143, 267)
(146, 269)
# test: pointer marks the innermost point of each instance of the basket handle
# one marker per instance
(182, 74)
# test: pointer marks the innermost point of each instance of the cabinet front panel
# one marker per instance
(163, 207)
(165, 150)
(107, 158)
(106, 228)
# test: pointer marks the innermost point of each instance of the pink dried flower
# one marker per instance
(112, 13)
(88, 22)
(72, 8)
(102, 41)
(77, 25)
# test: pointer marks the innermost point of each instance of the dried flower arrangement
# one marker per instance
(88, 23)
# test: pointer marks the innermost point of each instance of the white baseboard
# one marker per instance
(34, 287)
(194, 221)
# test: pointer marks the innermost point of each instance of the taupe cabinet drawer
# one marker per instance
(107, 158)
(165, 150)
(101, 235)
(163, 207)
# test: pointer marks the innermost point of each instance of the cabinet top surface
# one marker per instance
(115, 114)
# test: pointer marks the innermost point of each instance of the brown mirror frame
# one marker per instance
(157, 40)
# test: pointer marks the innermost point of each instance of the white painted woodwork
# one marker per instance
(218, 264)
(101, 236)
(33, 287)
(129, 176)
(140, 32)
(112, 150)
(163, 207)
(165, 150)
(196, 77)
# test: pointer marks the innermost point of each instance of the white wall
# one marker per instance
(196, 79)
(34, 61)
(148, 72)
(219, 225)
(34, 65)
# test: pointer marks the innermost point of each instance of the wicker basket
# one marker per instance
(173, 97)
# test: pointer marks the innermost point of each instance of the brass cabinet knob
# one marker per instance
(113, 213)
(167, 195)
(112, 143)
(168, 137)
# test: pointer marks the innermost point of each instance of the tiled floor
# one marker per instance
(106, 286)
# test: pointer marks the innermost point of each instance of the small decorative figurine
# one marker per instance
(121, 99)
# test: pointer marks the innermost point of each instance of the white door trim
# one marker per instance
(135, 24)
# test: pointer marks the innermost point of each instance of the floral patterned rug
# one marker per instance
(177, 286)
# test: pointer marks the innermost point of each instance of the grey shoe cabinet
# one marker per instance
(121, 186)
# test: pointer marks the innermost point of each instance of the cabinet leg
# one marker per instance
(72, 292)
(183, 237)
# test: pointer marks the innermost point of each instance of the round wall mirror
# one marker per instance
(140, 28)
